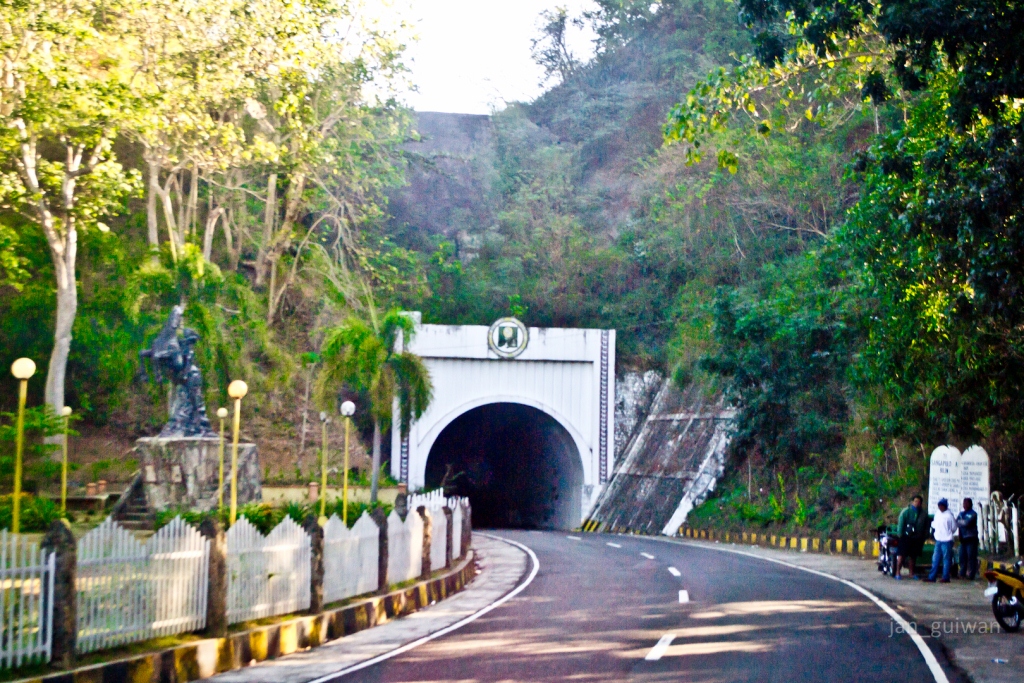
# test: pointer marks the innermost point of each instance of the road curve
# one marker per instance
(613, 608)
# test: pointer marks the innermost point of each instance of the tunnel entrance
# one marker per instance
(519, 467)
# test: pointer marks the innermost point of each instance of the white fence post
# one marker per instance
(26, 601)
(129, 591)
(350, 558)
(455, 505)
(267, 576)
(113, 594)
(405, 547)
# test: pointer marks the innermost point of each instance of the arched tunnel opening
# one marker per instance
(517, 465)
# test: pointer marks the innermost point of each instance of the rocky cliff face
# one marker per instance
(670, 464)
(450, 178)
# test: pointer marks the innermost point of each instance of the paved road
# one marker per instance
(599, 606)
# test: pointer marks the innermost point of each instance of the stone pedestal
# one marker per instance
(183, 472)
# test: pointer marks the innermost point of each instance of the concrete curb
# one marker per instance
(205, 658)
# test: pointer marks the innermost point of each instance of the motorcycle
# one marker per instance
(1006, 588)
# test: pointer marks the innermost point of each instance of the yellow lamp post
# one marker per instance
(236, 390)
(348, 409)
(221, 413)
(22, 369)
(323, 469)
(66, 413)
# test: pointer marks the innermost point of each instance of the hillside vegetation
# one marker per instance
(815, 218)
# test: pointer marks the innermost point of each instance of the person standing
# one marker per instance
(944, 529)
(911, 529)
(967, 527)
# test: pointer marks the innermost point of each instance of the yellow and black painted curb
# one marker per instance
(205, 658)
(856, 548)
(844, 546)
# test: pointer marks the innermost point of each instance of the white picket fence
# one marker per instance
(455, 505)
(430, 500)
(350, 558)
(129, 591)
(405, 547)
(26, 590)
(267, 575)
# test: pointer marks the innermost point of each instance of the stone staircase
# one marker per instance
(132, 510)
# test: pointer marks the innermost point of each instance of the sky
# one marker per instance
(473, 56)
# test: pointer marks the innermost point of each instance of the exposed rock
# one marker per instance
(670, 465)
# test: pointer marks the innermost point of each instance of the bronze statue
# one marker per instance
(173, 356)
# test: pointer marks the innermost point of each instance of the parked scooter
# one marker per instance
(1006, 588)
(888, 543)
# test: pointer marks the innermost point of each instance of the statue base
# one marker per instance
(183, 472)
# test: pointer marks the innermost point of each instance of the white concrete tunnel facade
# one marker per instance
(569, 374)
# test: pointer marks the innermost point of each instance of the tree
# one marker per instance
(551, 51)
(65, 93)
(372, 358)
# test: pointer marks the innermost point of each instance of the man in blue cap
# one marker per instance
(943, 529)
(967, 523)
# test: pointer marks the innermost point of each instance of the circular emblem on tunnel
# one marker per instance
(508, 337)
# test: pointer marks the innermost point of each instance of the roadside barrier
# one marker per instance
(109, 589)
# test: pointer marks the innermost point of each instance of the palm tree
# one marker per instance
(367, 357)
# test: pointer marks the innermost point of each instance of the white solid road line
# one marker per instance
(929, 657)
(445, 631)
(684, 596)
(658, 650)
(674, 572)
(574, 538)
(647, 555)
(613, 545)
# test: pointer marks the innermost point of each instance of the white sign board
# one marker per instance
(945, 479)
(974, 467)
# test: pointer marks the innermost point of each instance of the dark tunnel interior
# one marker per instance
(519, 467)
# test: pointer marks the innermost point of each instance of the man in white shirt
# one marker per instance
(944, 529)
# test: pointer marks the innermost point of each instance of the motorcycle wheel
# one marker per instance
(1008, 615)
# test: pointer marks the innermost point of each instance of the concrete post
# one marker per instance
(60, 541)
(428, 533)
(316, 561)
(402, 504)
(467, 527)
(217, 587)
(381, 520)
(448, 543)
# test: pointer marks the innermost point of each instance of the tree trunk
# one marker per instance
(211, 227)
(282, 240)
(375, 475)
(269, 216)
(67, 307)
(168, 205)
(152, 221)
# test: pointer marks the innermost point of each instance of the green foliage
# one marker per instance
(838, 500)
(38, 460)
(783, 347)
(36, 513)
(943, 328)
(363, 357)
(981, 42)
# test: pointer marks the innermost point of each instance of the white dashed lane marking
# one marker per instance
(673, 571)
(613, 545)
(647, 555)
(658, 650)
(684, 596)
(574, 538)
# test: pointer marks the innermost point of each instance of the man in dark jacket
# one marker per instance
(912, 528)
(967, 528)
